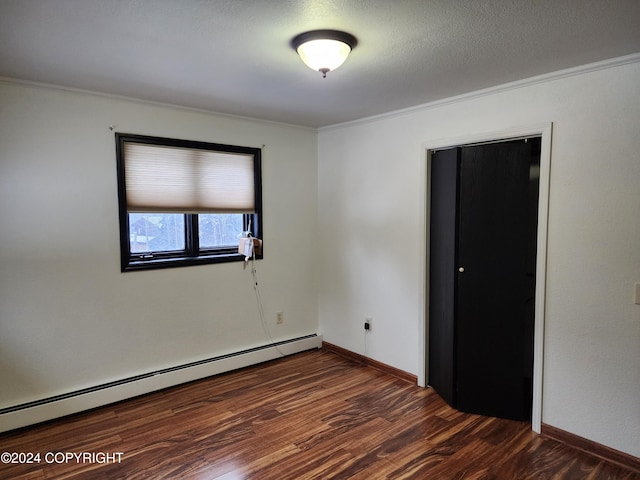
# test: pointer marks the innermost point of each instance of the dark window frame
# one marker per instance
(193, 254)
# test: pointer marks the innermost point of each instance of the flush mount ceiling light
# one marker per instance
(324, 50)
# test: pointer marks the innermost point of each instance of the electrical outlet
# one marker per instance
(367, 323)
(279, 317)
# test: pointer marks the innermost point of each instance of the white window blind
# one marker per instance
(190, 180)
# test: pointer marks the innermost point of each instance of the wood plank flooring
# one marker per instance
(313, 415)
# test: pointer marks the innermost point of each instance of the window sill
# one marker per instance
(176, 262)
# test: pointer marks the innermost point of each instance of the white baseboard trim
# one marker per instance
(74, 402)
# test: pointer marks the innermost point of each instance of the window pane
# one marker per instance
(156, 232)
(220, 229)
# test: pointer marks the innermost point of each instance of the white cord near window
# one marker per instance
(256, 289)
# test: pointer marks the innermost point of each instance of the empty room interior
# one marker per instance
(426, 258)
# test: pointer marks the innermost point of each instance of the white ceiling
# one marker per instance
(234, 56)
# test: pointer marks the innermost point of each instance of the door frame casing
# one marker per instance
(544, 130)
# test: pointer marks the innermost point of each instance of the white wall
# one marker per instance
(69, 318)
(372, 227)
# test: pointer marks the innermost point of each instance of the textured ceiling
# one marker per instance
(234, 56)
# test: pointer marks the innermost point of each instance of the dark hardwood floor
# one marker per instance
(311, 415)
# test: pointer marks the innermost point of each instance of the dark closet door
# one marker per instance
(494, 285)
(443, 241)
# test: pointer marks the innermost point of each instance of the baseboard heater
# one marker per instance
(37, 411)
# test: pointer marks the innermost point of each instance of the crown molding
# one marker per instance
(545, 78)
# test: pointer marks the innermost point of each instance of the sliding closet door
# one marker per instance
(494, 287)
(444, 172)
(481, 321)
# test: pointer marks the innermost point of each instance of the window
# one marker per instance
(184, 202)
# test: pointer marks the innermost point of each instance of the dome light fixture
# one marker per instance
(324, 50)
